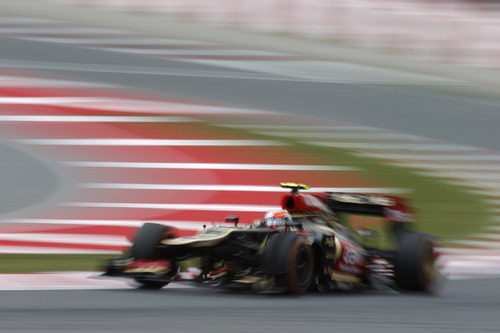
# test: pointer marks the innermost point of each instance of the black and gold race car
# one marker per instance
(315, 249)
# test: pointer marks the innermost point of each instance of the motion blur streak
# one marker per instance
(127, 117)
(381, 79)
(56, 229)
(93, 119)
(454, 31)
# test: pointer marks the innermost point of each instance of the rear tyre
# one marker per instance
(145, 247)
(415, 263)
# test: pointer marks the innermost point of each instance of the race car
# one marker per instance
(307, 245)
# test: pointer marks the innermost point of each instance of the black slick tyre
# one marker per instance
(146, 241)
(145, 247)
(290, 260)
(300, 267)
(415, 263)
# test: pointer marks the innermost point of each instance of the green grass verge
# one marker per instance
(25, 263)
(445, 210)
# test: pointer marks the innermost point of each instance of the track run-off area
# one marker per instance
(123, 156)
(168, 163)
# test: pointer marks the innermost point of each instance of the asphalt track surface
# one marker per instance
(464, 306)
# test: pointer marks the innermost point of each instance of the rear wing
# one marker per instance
(393, 208)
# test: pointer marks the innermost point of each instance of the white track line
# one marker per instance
(132, 105)
(66, 238)
(472, 167)
(121, 41)
(197, 207)
(486, 181)
(485, 192)
(237, 188)
(474, 262)
(185, 225)
(26, 20)
(18, 81)
(117, 104)
(94, 119)
(50, 250)
(448, 148)
(459, 252)
(63, 30)
(488, 178)
(486, 244)
(346, 135)
(207, 166)
(493, 236)
(52, 100)
(467, 184)
(444, 156)
(209, 52)
(148, 142)
(339, 127)
(491, 185)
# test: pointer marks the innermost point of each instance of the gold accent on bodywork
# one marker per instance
(344, 277)
(248, 279)
(264, 283)
(338, 249)
(122, 262)
(148, 269)
(263, 244)
(203, 239)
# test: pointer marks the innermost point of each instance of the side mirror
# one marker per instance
(233, 219)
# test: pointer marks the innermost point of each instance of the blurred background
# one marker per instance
(118, 112)
(451, 31)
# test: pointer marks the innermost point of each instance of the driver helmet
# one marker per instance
(277, 218)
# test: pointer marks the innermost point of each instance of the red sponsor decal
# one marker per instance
(218, 271)
(351, 259)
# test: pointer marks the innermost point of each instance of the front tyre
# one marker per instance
(146, 241)
(145, 247)
(300, 267)
(289, 260)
